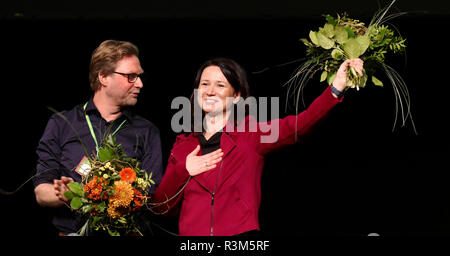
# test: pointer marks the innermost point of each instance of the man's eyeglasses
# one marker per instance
(132, 77)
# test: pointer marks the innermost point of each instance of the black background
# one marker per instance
(353, 176)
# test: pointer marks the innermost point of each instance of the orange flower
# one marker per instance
(128, 175)
(94, 188)
(123, 194)
(115, 212)
(137, 199)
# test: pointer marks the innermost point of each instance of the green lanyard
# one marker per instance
(91, 129)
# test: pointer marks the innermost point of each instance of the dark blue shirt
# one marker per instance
(60, 151)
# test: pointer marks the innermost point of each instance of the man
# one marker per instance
(115, 78)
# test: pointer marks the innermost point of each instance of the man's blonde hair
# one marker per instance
(105, 58)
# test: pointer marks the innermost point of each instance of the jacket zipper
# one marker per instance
(212, 199)
(212, 214)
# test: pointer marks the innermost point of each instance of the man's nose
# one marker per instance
(139, 83)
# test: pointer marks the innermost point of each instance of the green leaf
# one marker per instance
(355, 47)
(68, 194)
(94, 221)
(331, 19)
(340, 34)
(105, 154)
(328, 30)
(306, 42)
(313, 37)
(122, 220)
(76, 203)
(110, 139)
(336, 54)
(75, 187)
(324, 76)
(101, 206)
(113, 233)
(364, 42)
(350, 32)
(351, 48)
(363, 81)
(331, 77)
(376, 82)
(324, 41)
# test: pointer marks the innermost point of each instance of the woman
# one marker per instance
(216, 174)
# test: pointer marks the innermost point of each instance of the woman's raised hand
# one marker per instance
(340, 82)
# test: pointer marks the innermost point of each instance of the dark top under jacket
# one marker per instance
(60, 151)
(208, 146)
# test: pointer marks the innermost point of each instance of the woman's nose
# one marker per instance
(210, 90)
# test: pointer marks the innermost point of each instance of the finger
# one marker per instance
(215, 161)
(66, 180)
(218, 151)
(207, 168)
(357, 65)
(344, 67)
(212, 157)
(359, 69)
(56, 183)
(211, 167)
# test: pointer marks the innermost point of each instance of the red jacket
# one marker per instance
(225, 200)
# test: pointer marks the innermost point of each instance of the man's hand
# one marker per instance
(61, 187)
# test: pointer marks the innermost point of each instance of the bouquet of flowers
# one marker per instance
(112, 191)
(345, 38)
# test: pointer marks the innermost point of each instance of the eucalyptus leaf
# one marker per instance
(328, 30)
(336, 54)
(306, 42)
(313, 37)
(324, 41)
(324, 76)
(376, 82)
(350, 32)
(364, 42)
(351, 48)
(331, 77)
(76, 188)
(76, 203)
(340, 34)
(330, 19)
(363, 81)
